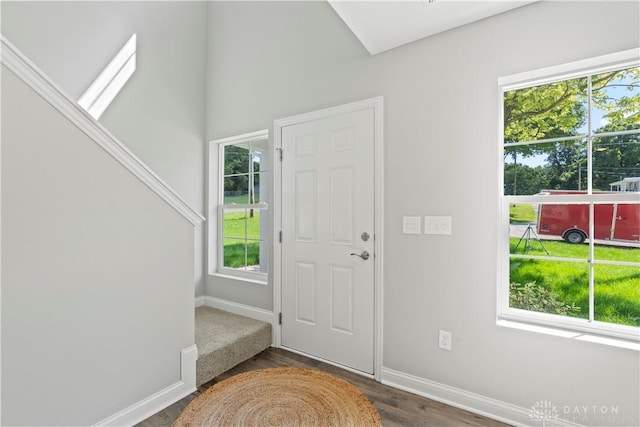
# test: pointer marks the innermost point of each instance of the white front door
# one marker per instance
(328, 218)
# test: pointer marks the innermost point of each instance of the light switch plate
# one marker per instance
(437, 225)
(411, 225)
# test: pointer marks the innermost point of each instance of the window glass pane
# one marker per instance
(245, 236)
(236, 190)
(547, 111)
(253, 224)
(616, 96)
(263, 224)
(567, 221)
(236, 159)
(260, 187)
(616, 225)
(528, 237)
(530, 169)
(544, 246)
(259, 154)
(618, 251)
(616, 161)
(523, 229)
(234, 252)
(617, 294)
(235, 223)
(253, 256)
(554, 287)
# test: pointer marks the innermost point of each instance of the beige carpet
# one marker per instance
(281, 397)
(225, 340)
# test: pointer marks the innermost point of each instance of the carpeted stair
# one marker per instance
(225, 339)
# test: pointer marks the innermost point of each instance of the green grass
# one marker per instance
(236, 245)
(617, 287)
(237, 223)
(522, 213)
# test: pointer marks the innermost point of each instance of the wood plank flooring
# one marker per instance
(396, 407)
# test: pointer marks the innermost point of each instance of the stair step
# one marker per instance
(225, 340)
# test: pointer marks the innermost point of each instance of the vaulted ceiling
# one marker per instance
(383, 25)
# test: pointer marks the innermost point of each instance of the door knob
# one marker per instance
(364, 255)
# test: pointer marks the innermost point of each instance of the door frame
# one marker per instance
(276, 218)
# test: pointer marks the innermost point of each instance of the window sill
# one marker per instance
(565, 333)
(256, 281)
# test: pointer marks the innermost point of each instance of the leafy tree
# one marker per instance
(559, 110)
(542, 112)
(624, 109)
(615, 157)
(237, 162)
(529, 180)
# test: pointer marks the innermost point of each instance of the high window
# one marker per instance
(570, 204)
(242, 206)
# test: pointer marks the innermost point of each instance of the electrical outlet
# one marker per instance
(444, 340)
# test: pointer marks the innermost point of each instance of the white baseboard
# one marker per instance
(199, 301)
(236, 308)
(481, 405)
(157, 402)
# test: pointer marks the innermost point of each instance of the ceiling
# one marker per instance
(383, 25)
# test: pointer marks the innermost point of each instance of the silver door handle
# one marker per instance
(364, 255)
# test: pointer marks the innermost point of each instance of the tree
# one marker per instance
(236, 169)
(560, 110)
(530, 180)
(615, 157)
(542, 112)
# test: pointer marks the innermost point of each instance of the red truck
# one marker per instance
(613, 221)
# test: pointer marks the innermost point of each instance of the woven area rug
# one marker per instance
(280, 397)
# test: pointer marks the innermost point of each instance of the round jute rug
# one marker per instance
(280, 397)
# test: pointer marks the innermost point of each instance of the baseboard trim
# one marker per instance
(199, 301)
(157, 402)
(481, 405)
(237, 308)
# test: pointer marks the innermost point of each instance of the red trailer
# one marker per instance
(613, 221)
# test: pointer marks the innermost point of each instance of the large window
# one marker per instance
(242, 208)
(570, 249)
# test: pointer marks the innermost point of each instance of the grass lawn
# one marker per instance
(522, 213)
(617, 287)
(237, 244)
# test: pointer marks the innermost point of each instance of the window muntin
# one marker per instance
(243, 212)
(571, 153)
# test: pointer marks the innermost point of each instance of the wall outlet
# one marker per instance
(444, 340)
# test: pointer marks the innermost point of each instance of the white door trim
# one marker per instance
(276, 268)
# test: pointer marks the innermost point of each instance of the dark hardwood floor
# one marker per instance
(396, 407)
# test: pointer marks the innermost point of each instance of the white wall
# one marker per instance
(268, 60)
(159, 114)
(96, 274)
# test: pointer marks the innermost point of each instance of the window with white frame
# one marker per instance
(570, 205)
(242, 208)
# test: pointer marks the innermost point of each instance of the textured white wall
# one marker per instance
(96, 274)
(268, 60)
(159, 114)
